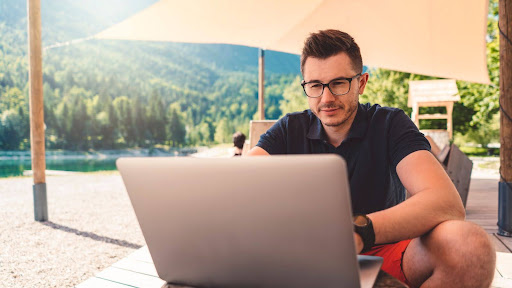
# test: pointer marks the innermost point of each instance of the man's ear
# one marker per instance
(362, 82)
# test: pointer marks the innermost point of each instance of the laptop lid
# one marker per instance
(280, 221)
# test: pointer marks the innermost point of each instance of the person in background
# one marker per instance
(238, 142)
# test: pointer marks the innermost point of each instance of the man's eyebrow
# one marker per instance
(318, 81)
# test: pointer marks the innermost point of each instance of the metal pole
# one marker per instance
(36, 109)
(261, 84)
(505, 185)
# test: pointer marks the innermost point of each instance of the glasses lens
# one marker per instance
(339, 87)
(313, 89)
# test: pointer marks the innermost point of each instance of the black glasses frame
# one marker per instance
(303, 83)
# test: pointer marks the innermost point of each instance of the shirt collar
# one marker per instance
(357, 130)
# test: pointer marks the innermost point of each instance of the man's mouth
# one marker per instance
(329, 110)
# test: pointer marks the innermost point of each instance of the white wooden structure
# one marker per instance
(433, 93)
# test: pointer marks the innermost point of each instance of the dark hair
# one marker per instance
(239, 139)
(327, 43)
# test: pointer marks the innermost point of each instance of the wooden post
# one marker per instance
(261, 84)
(505, 185)
(36, 109)
(449, 121)
(416, 114)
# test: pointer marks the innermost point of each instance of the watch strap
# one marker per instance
(367, 234)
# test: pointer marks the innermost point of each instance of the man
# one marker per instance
(385, 155)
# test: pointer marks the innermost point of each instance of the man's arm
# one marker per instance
(434, 200)
(257, 151)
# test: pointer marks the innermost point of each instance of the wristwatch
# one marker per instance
(364, 227)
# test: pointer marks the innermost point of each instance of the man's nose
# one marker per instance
(327, 96)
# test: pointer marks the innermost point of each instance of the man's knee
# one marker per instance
(460, 236)
(462, 248)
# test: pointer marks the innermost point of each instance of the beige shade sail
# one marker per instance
(443, 38)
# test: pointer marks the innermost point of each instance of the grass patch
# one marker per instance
(480, 151)
(494, 165)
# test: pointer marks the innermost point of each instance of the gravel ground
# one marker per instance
(91, 225)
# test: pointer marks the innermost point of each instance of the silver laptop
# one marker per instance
(280, 221)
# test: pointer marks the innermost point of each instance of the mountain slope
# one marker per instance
(100, 79)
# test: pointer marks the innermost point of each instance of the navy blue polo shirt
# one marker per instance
(379, 138)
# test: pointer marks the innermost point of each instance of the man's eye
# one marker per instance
(338, 83)
(315, 85)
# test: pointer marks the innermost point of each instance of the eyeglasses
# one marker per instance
(339, 86)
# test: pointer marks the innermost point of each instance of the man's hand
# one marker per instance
(359, 243)
(257, 151)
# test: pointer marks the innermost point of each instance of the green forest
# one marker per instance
(103, 94)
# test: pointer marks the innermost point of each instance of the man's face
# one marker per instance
(332, 110)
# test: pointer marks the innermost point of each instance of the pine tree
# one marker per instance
(157, 118)
(177, 129)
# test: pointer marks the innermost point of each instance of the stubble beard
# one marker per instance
(345, 117)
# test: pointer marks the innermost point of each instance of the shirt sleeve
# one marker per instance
(274, 140)
(404, 138)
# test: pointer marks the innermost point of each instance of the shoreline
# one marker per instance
(483, 167)
(103, 154)
(63, 163)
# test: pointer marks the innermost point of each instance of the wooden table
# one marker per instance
(137, 270)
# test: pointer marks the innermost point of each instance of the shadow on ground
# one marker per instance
(91, 235)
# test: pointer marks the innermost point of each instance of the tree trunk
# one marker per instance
(261, 84)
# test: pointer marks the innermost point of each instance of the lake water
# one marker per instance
(10, 168)
(16, 164)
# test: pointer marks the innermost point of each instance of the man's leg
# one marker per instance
(453, 254)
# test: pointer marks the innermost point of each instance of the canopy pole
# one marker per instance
(36, 109)
(261, 84)
(505, 185)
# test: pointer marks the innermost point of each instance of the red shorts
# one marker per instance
(393, 255)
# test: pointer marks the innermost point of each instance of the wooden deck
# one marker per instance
(482, 209)
(137, 270)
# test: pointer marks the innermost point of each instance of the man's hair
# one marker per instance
(239, 139)
(327, 43)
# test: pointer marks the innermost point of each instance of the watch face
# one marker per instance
(360, 220)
